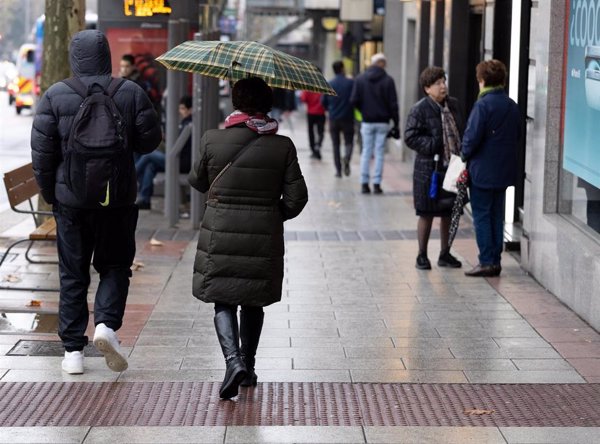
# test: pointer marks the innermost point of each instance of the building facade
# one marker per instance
(552, 51)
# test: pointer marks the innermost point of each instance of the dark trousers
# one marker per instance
(316, 123)
(488, 217)
(108, 235)
(346, 127)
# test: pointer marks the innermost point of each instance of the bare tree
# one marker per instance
(63, 19)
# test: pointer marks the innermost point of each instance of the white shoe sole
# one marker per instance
(114, 360)
(72, 371)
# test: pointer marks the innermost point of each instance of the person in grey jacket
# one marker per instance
(239, 258)
(107, 234)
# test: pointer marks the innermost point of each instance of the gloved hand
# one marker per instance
(394, 132)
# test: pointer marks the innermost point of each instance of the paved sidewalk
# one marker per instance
(362, 348)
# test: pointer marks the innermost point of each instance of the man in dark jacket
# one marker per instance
(489, 147)
(374, 95)
(341, 117)
(107, 233)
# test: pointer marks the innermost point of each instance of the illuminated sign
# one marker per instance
(146, 8)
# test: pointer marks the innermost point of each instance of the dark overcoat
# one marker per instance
(424, 135)
(239, 257)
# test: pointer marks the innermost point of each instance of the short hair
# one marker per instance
(252, 95)
(491, 72)
(128, 58)
(430, 75)
(338, 67)
(186, 101)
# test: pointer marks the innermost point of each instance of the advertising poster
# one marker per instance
(581, 154)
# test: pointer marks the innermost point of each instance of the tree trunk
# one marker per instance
(63, 19)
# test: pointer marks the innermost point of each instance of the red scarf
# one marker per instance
(259, 123)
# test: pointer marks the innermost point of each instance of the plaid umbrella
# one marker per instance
(459, 203)
(235, 60)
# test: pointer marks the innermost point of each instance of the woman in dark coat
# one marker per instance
(434, 127)
(239, 258)
(490, 150)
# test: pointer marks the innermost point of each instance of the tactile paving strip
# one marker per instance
(307, 404)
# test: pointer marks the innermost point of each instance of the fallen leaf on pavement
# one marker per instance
(156, 243)
(478, 412)
(334, 204)
(12, 278)
(34, 303)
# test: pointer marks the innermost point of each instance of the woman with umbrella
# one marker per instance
(433, 129)
(253, 184)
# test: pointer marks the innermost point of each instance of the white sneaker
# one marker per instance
(73, 363)
(105, 340)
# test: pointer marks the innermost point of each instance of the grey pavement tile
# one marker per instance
(397, 352)
(299, 352)
(212, 362)
(168, 323)
(163, 341)
(551, 435)
(401, 332)
(429, 435)
(142, 375)
(344, 342)
(458, 364)
(148, 361)
(343, 323)
(27, 435)
(415, 376)
(431, 343)
(303, 375)
(161, 353)
(347, 363)
(491, 331)
(542, 364)
(500, 353)
(521, 342)
(170, 315)
(294, 434)
(174, 435)
(521, 377)
(100, 373)
(165, 331)
(474, 314)
(300, 332)
(209, 340)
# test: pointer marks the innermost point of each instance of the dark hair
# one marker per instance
(186, 101)
(430, 75)
(252, 95)
(128, 58)
(338, 67)
(491, 72)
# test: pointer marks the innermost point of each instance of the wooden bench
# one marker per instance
(21, 187)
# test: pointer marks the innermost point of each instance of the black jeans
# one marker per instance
(316, 122)
(346, 127)
(108, 235)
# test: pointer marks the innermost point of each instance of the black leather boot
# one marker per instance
(226, 326)
(251, 322)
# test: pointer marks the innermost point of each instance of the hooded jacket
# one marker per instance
(374, 95)
(90, 61)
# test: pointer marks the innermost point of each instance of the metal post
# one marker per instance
(174, 84)
(197, 198)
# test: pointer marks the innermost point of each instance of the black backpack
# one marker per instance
(97, 163)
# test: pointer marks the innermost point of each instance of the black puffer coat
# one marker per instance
(91, 62)
(239, 260)
(424, 134)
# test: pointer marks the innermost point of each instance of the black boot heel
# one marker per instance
(234, 375)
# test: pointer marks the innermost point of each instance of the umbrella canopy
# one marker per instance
(235, 60)
(459, 203)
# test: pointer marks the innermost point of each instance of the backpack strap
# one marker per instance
(77, 85)
(114, 85)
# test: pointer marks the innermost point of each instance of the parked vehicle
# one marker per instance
(25, 77)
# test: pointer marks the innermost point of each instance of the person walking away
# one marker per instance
(490, 149)
(374, 94)
(84, 134)
(149, 165)
(434, 128)
(253, 184)
(341, 117)
(315, 114)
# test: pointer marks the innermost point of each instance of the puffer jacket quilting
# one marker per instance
(56, 110)
(424, 135)
(239, 258)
